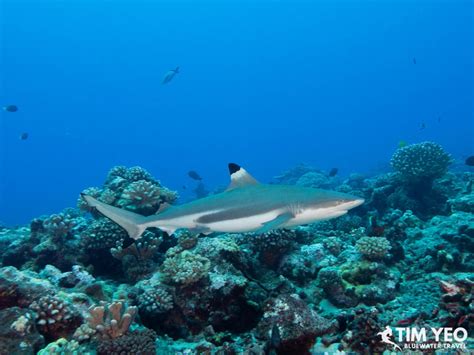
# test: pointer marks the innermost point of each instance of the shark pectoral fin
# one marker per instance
(275, 223)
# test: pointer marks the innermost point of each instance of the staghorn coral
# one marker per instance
(135, 342)
(373, 248)
(112, 321)
(55, 318)
(421, 161)
(186, 267)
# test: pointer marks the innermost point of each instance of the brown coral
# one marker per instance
(112, 321)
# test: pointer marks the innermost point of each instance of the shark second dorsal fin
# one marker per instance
(239, 177)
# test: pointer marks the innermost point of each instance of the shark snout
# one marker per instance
(351, 203)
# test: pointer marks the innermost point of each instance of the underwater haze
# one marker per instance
(267, 84)
(236, 177)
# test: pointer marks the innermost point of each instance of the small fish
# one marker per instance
(24, 136)
(470, 161)
(439, 119)
(170, 75)
(333, 172)
(10, 108)
(194, 175)
(414, 60)
(422, 126)
(402, 144)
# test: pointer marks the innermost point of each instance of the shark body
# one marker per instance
(246, 206)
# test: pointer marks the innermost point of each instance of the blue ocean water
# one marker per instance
(267, 84)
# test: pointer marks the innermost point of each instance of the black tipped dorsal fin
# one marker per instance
(239, 177)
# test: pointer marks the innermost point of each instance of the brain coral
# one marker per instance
(425, 160)
(373, 248)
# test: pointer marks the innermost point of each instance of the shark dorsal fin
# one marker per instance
(239, 177)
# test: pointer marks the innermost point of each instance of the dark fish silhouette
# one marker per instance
(470, 161)
(10, 108)
(422, 126)
(194, 175)
(414, 60)
(170, 75)
(333, 172)
(24, 136)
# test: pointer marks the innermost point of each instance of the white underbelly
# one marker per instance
(241, 225)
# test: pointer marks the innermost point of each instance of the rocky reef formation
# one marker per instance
(69, 284)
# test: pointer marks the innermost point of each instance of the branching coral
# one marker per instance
(420, 161)
(102, 234)
(143, 249)
(154, 300)
(140, 195)
(58, 225)
(112, 321)
(186, 267)
(373, 248)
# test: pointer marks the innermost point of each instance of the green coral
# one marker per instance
(420, 161)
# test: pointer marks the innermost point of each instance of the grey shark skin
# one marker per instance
(246, 206)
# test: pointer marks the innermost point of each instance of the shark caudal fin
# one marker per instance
(133, 223)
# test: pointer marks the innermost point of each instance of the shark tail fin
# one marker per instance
(133, 223)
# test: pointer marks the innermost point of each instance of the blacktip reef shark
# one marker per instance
(246, 206)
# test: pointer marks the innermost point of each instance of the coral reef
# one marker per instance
(70, 283)
(422, 161)
(54, 317)
(373, 248)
